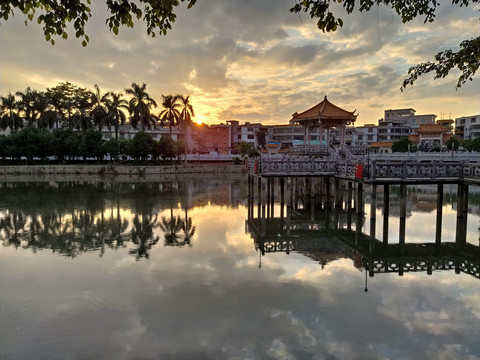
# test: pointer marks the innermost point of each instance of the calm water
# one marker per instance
(173, 270)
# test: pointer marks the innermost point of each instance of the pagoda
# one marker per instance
(324, 116)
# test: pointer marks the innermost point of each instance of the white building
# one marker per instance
(400, 123)
(468, 126)
(365, 135)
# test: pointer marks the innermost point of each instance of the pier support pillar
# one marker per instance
(359, 202)
(386, 212)
(373, 216)
(403, 213)
(438, 232)
(462, 212)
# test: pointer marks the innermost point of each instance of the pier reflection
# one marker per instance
(325, 220)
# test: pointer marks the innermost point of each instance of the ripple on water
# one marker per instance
(41, 319)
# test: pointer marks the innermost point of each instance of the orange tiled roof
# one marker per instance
(430, 128)
(325, 110)
(382, 144)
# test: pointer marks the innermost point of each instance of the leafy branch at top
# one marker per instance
(55, 15)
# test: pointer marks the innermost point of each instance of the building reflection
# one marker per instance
(325, 221)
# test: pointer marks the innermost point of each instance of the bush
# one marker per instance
(237, 161)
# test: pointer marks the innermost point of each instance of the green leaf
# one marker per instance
(115, 30)
(84, 43)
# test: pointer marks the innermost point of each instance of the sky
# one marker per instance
(254, 60)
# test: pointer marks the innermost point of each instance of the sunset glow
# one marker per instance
(254, 61)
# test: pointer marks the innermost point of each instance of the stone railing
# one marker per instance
(374, 171)
(358, 149)
(295, 166)
(309, 150)
(426, 156)
(435, 170)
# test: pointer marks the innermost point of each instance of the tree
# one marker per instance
(99, 111)
(56, 16)
(170, 113)
(185, 120)
(66, 144)
(166, 147)
(467, 59)
(402, 145)
(472, 144)
(245, 149)
(92, 145)
(32, 142)
(10, 118)
(26, 104)
(112, 148)
(452, 143)
(83, 104)
(41, 106)
(141, 145)
(115, 104)
(139, 106)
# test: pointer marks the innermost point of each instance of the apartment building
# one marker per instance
(400, 123)
(467, 127)
(252, 133)
(364, 135)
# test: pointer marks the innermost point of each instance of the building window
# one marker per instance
(250, 137)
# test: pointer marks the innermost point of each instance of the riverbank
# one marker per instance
(136, 170)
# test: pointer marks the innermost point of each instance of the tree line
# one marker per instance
(453, 143)
(61, 122)
(68, 106)
(67, 146)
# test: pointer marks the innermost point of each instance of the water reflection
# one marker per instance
(210, 300)
(326, 227)
(75, 218)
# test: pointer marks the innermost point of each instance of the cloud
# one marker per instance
(254, 61)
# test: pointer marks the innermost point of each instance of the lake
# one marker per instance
(179, 268)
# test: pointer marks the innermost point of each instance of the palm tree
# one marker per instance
(139, 106)
(99, 112)
(170, 113)
(8, 112)
(46, 117)
(186, 120)
(83, 106)
(143, 235)
(188, 229)
(26, 102)
(171, 227)
(115, 104)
